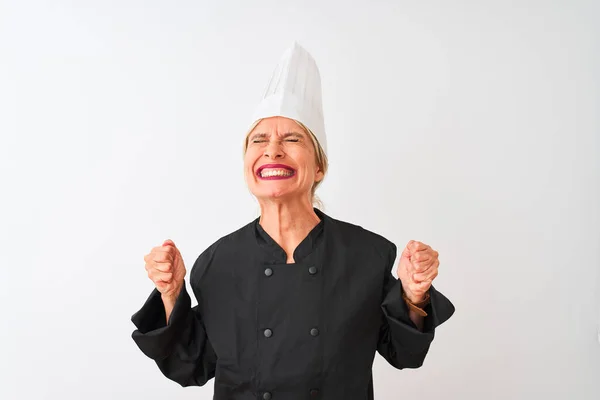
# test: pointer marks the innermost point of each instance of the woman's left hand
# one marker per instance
(417, 268)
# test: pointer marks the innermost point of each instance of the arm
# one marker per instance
(169, 303)
(177, 343)
(401, 341)
(417, 319)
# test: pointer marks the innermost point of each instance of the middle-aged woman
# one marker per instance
(294, 304)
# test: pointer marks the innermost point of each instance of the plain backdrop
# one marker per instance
(472, 126)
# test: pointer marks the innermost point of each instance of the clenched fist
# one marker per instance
(165, 268)
(417, 268)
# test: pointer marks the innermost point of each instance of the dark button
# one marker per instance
(314, 392)
(268, 272)
(312, 270)
(314, 332)
(268, 333)
(267, 396)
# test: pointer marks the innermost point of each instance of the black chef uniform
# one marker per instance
(265, 329)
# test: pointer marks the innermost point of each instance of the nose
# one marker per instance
(273, 150)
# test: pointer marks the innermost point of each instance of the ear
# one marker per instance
(319, 176)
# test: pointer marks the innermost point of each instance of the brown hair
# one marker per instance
(320, 159)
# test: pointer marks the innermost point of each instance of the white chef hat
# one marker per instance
(294, 91)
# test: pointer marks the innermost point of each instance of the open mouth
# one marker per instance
(275, 171)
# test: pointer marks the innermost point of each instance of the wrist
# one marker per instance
(415, 299)
(417, 303)
(170, 298)
(412, 297)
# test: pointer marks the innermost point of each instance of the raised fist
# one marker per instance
(418, 267)
(165, 268)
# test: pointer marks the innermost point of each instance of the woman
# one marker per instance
(295, 304)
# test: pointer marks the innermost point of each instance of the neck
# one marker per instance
(288, 222)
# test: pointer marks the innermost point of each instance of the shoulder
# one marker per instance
(224, 245)
(356, 236)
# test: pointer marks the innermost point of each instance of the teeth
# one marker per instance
(275, 172)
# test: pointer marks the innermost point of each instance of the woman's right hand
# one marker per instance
(165, 268)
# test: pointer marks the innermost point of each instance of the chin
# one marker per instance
(274, 193)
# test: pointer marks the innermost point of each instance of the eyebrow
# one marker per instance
(286, 135)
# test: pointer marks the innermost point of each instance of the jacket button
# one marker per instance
(267, 396)
(314, 332)
(268, 333)
(312, 270)
(268, 272)
(314, 392)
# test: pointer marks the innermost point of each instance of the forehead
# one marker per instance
(278, 126)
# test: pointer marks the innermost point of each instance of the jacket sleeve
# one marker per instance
(400, 342)
(180, 348)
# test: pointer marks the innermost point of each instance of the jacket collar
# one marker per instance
(306, 246)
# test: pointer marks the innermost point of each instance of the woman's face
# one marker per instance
(280, 160)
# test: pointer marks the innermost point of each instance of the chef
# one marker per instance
(295, 304)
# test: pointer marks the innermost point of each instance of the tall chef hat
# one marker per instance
(294, 91)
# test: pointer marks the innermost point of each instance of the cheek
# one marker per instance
(309, 173)
(249, 160)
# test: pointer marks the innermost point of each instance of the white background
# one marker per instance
(470, 125)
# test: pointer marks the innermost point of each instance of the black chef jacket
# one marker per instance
(265, 329)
